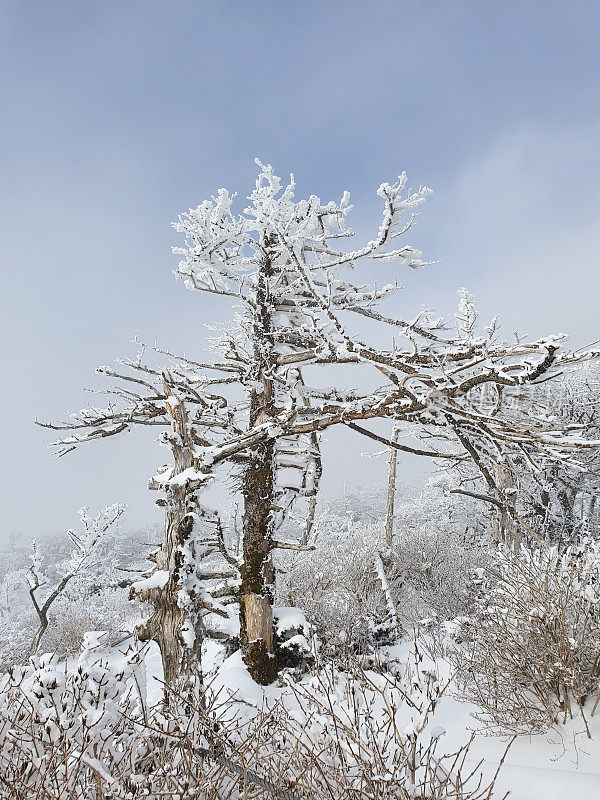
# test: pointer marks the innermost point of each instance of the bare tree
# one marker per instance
(83, 549)
(391, 490)
(179, 398)
(280, 262)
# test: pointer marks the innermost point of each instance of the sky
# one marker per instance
(117, 116)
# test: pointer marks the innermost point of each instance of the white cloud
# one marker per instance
(522, 227)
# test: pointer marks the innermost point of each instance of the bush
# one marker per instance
(336, 585)
(533, 649)
(69, 731)
(431, 572)
(83, 731)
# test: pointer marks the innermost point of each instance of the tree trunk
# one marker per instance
(256, 592)
(389, 533)
(165, 626)
(33, 648)
(391, 491)
(567, 497)
(180, 658)
(504, 528)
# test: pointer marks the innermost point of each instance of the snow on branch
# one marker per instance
(84, 544)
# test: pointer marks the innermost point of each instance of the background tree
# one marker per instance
(556, 498)
(84, 545)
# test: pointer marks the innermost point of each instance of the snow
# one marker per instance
(552, 766)
(234, 681)
(380, 571)
(153, 673)
(545, 783)
(289, 618)
(92, 640)
(187, 634)
(158, 580)
(560, 764)
(190, 475)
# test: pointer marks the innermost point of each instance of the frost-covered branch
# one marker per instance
(84, 544)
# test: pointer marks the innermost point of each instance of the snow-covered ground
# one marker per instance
(557, 765)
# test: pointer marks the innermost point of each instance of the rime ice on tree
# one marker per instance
(258, 406)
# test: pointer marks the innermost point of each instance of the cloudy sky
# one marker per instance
(116, 116)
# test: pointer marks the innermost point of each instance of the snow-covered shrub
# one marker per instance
(339, 735)
(533, 650)
(67, 730)
(83, 730)
(16, 614)
(78, 611)
(374, 738)
(431, 573)
(84, 611)
(336, 585)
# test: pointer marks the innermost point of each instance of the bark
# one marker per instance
(42, 611)
(256, 592)
(592, 505)
(567, 499)
(317, 474)
(312, 498)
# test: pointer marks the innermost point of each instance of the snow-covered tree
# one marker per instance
(281, 262)
(83, 547)
(177, 396)
(557, 498)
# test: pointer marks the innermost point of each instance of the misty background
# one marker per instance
(118, 116)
